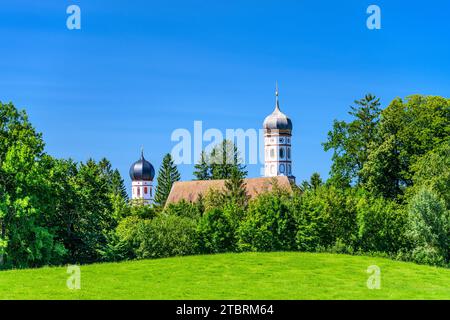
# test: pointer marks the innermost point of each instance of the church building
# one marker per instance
(277, 166)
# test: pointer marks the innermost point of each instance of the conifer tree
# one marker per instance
(315, 181)
(167, 175)
(224, 159)
(202, 169)
(235, 188)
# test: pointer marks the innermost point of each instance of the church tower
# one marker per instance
(277, 143)
(142, 174)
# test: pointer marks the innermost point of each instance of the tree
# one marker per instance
(203, 169)
(115, 181)
(268, 225)
(215, 232)
(92, 218)
(166, 236)
(352, 141)
(224, 159)
(407, 130)
(433, 170)
(168, 174)
(235, 188)
(25, 241)
(314, 182)
(381, 224)
(324, 216)
(184, 208)
(428, 228)
(381, 172)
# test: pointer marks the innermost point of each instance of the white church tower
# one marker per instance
(277, 143)
(142, 174)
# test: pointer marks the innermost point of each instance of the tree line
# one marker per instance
(388, 194)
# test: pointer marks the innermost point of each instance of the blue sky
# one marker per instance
(137, 70)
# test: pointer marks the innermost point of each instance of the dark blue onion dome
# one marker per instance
(277, 120)
(142, 170)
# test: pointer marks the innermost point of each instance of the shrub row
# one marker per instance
(324, 219)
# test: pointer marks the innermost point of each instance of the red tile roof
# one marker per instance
(190, 190)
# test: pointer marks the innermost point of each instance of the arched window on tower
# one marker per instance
(289, 153)
(138, 191)
(282, 153)
(145, 190)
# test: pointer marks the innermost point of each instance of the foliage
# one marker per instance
(215, 232)
(314, 182)
(235, 189)
(202, 168)
(389, 194)
(324, 216)
(381, 225)
(51, 211)
(168, 174)
(25, 240)
(428, 228)
(268, 225)
(166, 236)
(408, 130)
(220, 162)
(213, 198)
(85, 210)
(351, 141)
(184, 209)
(433, 170)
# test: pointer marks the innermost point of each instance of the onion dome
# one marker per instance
(277, 120)
(142, 170)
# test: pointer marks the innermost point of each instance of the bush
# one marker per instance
(215, 232)
(268, 225)
(381, 225)
(428, 228)
(324, 216)
(184, 209)
(166, 236)
(123, 243)
(432, 170)
(141, 211)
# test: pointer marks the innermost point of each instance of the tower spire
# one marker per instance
(142, 152)
(277, 104)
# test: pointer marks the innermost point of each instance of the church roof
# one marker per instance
(191, 190)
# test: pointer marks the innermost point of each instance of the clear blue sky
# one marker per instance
(137, 70)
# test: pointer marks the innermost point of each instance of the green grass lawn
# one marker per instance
(285, 275)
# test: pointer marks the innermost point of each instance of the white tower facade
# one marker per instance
(142, 173)
(142, 190)
(277, 143)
